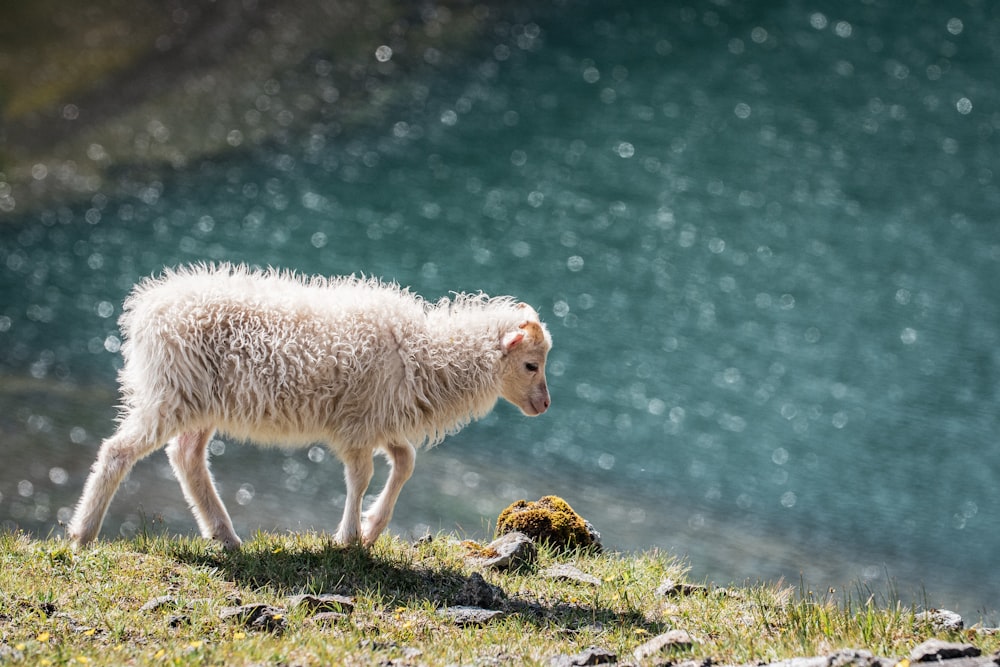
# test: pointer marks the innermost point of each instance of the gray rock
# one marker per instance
(593, 628)
(159, 603)
(591, 656)
(842, 658)
(671, 588)
(851, 657)
(703, 662)
(942, 619)
(978, 661)
(256, 616)
(566, 572)
(477, 592)
(8, 652)
(326, 602)
(177, 620)
(513, 550)
(327, 618)
(679, 639)
(813, 661)
(411, 653)
(465, 615)
(935, 650)
(47, 608)
(85, 629)
(595, 537)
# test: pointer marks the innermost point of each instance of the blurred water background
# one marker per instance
(763, 235)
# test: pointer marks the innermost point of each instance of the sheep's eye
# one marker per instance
(531, 367)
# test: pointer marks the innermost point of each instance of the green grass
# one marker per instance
(58, 607)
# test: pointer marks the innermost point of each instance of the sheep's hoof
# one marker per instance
(77, 541)
(370, 530)
(347, 540)
(229, 543)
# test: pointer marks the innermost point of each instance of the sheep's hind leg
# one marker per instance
(401, 459)
(188, 454)
(358, 471)
(117, 456)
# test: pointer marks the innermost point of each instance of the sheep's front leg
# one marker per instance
(358, 471)
(401, 458)
(188, 454)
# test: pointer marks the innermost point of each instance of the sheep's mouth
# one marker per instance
(536, 406)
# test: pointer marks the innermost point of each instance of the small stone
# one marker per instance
(47, 608)
(857, 658)
(159, 603)
(671, 588)
(256, 616)
(477, 592)
(177, 620)
(270, 622)
(842, 658)
(942, 619)
(679, 639)
(320, 603)
(703, 662)
(327, 618)
(465, 615)
(935, 650)
(595, 537)
(591, 656)
(242, 612)
(592, 628)
(566, 572)
(814, 661)
(8, 652)
(512, 551)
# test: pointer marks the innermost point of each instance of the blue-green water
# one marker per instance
(765, 241)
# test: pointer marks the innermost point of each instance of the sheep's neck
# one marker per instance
(460, 373)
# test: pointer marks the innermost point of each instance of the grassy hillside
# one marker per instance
(156, 600)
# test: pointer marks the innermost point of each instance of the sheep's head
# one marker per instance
(525, 349)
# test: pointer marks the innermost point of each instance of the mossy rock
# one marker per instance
(551, 520)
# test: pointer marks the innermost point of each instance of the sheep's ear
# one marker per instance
(510, 340)
(533, 330)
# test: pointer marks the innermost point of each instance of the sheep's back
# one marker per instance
(269, 357)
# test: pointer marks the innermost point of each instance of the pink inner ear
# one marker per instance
(512, 339)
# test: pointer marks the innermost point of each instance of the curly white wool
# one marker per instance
(279, 358)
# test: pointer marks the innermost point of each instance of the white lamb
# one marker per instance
(278, 358)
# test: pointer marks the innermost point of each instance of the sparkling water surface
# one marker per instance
(764, 239)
